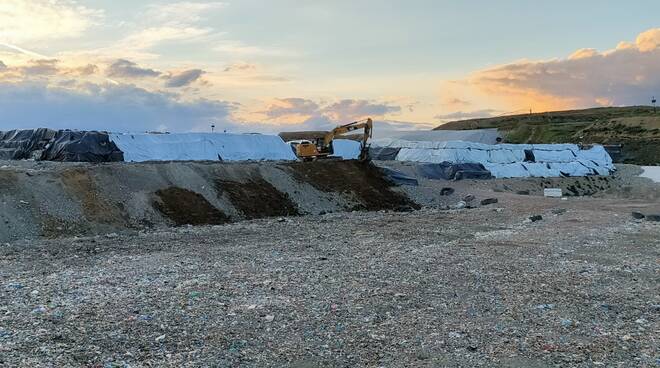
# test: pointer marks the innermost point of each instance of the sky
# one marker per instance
(269, 66)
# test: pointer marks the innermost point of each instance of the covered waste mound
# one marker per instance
(58, 145)
(504, 160)
(202, 147)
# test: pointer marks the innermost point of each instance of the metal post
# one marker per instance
(212, 128)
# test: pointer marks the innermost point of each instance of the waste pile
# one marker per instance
(501, 160)
(58, 145)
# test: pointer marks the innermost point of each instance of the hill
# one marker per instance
(637, 128)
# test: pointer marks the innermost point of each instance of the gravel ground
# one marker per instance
(463, 288)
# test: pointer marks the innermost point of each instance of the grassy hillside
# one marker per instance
(636, 127)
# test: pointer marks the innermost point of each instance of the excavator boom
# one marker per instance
(323, 147)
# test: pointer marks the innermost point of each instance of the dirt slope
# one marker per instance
(65, 199)
(636, 127)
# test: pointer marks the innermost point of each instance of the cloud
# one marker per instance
(455, 102)
(185, 12)
(286, 107)
(348, 109)
(626, 75)
(128, 69)
(239, 67)
(458, 115)
(41, 67)
(299, 110)
(184, 78)
(82, 71)
(41, 20)
(119, 108)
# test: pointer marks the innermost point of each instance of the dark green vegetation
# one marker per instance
(636, 127)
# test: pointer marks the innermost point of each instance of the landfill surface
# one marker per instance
(524, 281)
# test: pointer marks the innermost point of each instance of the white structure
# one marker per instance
(485, 136)
(346, 149)
(508, 160)
(202, 146)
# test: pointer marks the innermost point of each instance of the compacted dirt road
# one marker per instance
(460, 288)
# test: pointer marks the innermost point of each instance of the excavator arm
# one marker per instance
(322, 147)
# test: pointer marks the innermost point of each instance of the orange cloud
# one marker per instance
(628, 74)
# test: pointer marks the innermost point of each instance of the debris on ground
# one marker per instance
(488, 201)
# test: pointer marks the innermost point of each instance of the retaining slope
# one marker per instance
(67, 199)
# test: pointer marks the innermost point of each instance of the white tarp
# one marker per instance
(486, 136)
(202, 146)
(346, 149)
(516, 170)
(651, 172)
(553, 156)
(508, 160)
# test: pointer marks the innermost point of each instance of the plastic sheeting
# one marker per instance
(485, 136)
(346, 149)
(202, 146)
(508, 160)
(449, 171)
(73, 146)
(24, 144)
(383, 153)
(458, 156)
(398, 177)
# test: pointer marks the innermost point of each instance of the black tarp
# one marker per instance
(383, 153)
(450, 171)
(398, 178)
(74, 146)
(23, 144)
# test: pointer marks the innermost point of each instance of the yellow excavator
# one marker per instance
(321, 147)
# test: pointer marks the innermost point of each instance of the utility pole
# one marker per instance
(212, 128)
(653, 101)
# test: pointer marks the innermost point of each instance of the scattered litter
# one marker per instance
(535, 218)
(653, 218)
(446, 191)
(638, 215)
(488, 201)
(460, 205)
(552, 192)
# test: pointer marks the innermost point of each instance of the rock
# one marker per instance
(269, 318)
(638, 215)
(15, 286)
(522, 192)
(545, 306)
(446, 191)
(469, 198)
(558, 211)
(535, 218)
(281, 219)
(111, 235)
(460, 205)
(653, 218)
(40, 310)
(488, 201)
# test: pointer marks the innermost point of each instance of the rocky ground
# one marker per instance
(432, 288)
